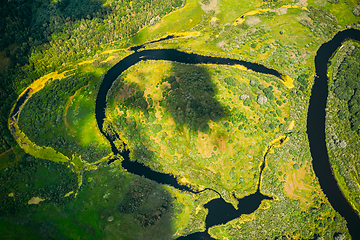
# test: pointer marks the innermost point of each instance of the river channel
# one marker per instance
(220, 211)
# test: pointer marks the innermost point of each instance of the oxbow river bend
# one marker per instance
(221, 212)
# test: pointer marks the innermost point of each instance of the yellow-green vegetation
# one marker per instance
(207, 125)
(280, 10)
(35, 200)
(78, 116)
(231, 147)
(342, 141)
(299, 209)
(340, 9)
(175, 22)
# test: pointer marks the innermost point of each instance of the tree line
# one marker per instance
(40, 36)
(346, 86)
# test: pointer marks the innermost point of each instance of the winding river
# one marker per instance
(316, 132)
(220, 211)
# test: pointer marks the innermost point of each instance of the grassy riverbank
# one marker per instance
(208, 125)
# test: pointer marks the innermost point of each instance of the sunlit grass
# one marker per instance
(179, 21)
(219, 151)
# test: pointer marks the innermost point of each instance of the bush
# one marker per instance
(356, 10)
(342, 114)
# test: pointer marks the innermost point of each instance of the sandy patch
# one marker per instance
(212, 6)
(252, 21)
(302, 3)
(222, 43)
(281, 11)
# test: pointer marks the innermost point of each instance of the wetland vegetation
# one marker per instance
(208, 125)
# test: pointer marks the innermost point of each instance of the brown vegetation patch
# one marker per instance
(1, 154)
(221, 143)
(295, 186)
(125, 92)
(4, 61)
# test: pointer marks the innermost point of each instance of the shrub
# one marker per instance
(356, 10)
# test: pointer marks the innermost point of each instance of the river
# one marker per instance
(220, 211)
(316, 132)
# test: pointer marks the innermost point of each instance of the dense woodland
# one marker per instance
(31, 177)
(41, 36)
(346, 87)
(45, 110)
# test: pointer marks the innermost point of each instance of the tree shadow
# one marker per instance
(189, 95)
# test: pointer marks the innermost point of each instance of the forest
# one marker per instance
(45, 110)
(206, 125)
(346, 87)
(31, 177)
(42, 36)
(341, 136)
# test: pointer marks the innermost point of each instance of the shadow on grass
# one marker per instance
(189, 95)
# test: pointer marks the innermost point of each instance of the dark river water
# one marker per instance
(316, 132)
(20, 102)
(220, 211)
